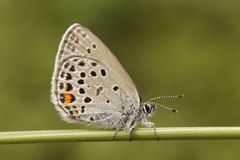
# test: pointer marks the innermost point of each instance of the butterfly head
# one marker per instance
(149, 108)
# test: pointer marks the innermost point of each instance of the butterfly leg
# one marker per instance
(118, 128)
(152, 125)
(115, 134)
(130, 134)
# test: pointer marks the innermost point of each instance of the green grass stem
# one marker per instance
(140, 134)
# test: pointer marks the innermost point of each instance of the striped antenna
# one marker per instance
(165, 107)
(166, 97)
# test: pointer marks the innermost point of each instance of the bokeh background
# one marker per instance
(167, 46)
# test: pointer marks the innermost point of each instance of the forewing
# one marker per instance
(89, 85)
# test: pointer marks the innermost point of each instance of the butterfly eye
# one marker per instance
(147, 108)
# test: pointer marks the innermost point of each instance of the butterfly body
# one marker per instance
(89, 85)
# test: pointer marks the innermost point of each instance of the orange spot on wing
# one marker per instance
(68, 98)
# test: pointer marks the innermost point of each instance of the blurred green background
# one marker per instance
(168, 47)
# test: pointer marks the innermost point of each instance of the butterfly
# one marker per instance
(90, 86)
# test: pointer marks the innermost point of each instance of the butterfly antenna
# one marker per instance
(165, 107)
(166, 97)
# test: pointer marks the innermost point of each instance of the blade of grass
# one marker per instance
(173, 133)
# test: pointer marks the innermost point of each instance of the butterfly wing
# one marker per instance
(89, 85)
